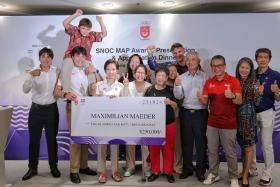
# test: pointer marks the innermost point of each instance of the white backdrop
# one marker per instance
(232, 35)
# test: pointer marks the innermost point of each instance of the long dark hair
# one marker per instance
(129, 70)
(247, 60)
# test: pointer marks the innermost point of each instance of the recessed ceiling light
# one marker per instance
(168, 3)
(107, 5)
(276, 3)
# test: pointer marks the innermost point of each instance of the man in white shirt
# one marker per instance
(79, 84)
(43, 113)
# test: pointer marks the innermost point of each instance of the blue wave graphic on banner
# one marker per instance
(63, 141)
(19, 133)
(19, 120)
(277, 117)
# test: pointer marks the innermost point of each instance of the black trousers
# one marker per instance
(43, 116)
(193, 130)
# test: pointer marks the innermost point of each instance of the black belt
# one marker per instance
(194, 110)
(42, 106)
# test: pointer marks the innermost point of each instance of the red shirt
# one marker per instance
(76, 39)
(222, 110)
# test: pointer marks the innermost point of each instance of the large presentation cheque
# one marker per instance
(118, 120)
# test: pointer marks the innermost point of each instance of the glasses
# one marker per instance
(217, 66)
(141, 73)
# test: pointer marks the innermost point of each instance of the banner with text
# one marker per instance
(118, 120)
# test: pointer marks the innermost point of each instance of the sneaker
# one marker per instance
(265, 181)
(148, 173)
(234, 183)
(211, 179)
(128, 172)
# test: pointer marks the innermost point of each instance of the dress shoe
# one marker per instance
(75, 178)
(55, 172)
(245, 185)
(200, 177)
(185, 175)
(29, 174)
(153, 177)
(252, 173)
(88, 171)
(170, 178)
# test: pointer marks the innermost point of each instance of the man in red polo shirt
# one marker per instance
(223, 94)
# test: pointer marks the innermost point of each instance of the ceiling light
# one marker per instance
(168, 3)
(107, 5)
(276, 3)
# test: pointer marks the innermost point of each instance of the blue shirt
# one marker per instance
(188, 90)
(267, 99)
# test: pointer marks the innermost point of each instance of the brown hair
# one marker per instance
(85, 22)
(175, 45)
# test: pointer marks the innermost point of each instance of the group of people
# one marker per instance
(201, 110)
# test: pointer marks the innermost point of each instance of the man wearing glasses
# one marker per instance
(224, 93)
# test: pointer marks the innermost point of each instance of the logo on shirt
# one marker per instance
(211, 85)
(227, 86)
(104, 87)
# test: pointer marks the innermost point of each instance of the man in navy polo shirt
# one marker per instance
(269, 82)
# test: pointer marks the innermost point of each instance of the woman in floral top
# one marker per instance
(246, 127)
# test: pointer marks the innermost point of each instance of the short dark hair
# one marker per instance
(263, 50)
(78, 50)
(175, 45)
(218, 57)
(110, 61)
(85, 22)
(46, 50)
(162, 69)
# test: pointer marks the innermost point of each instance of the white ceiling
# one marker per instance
(65, 7)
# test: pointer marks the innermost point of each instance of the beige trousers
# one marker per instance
(102, 152)
(227, 138)
(178, 158)
(130, 157)
(78, 152)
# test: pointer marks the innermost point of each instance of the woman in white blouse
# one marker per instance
(135, 88)
(108, 87)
